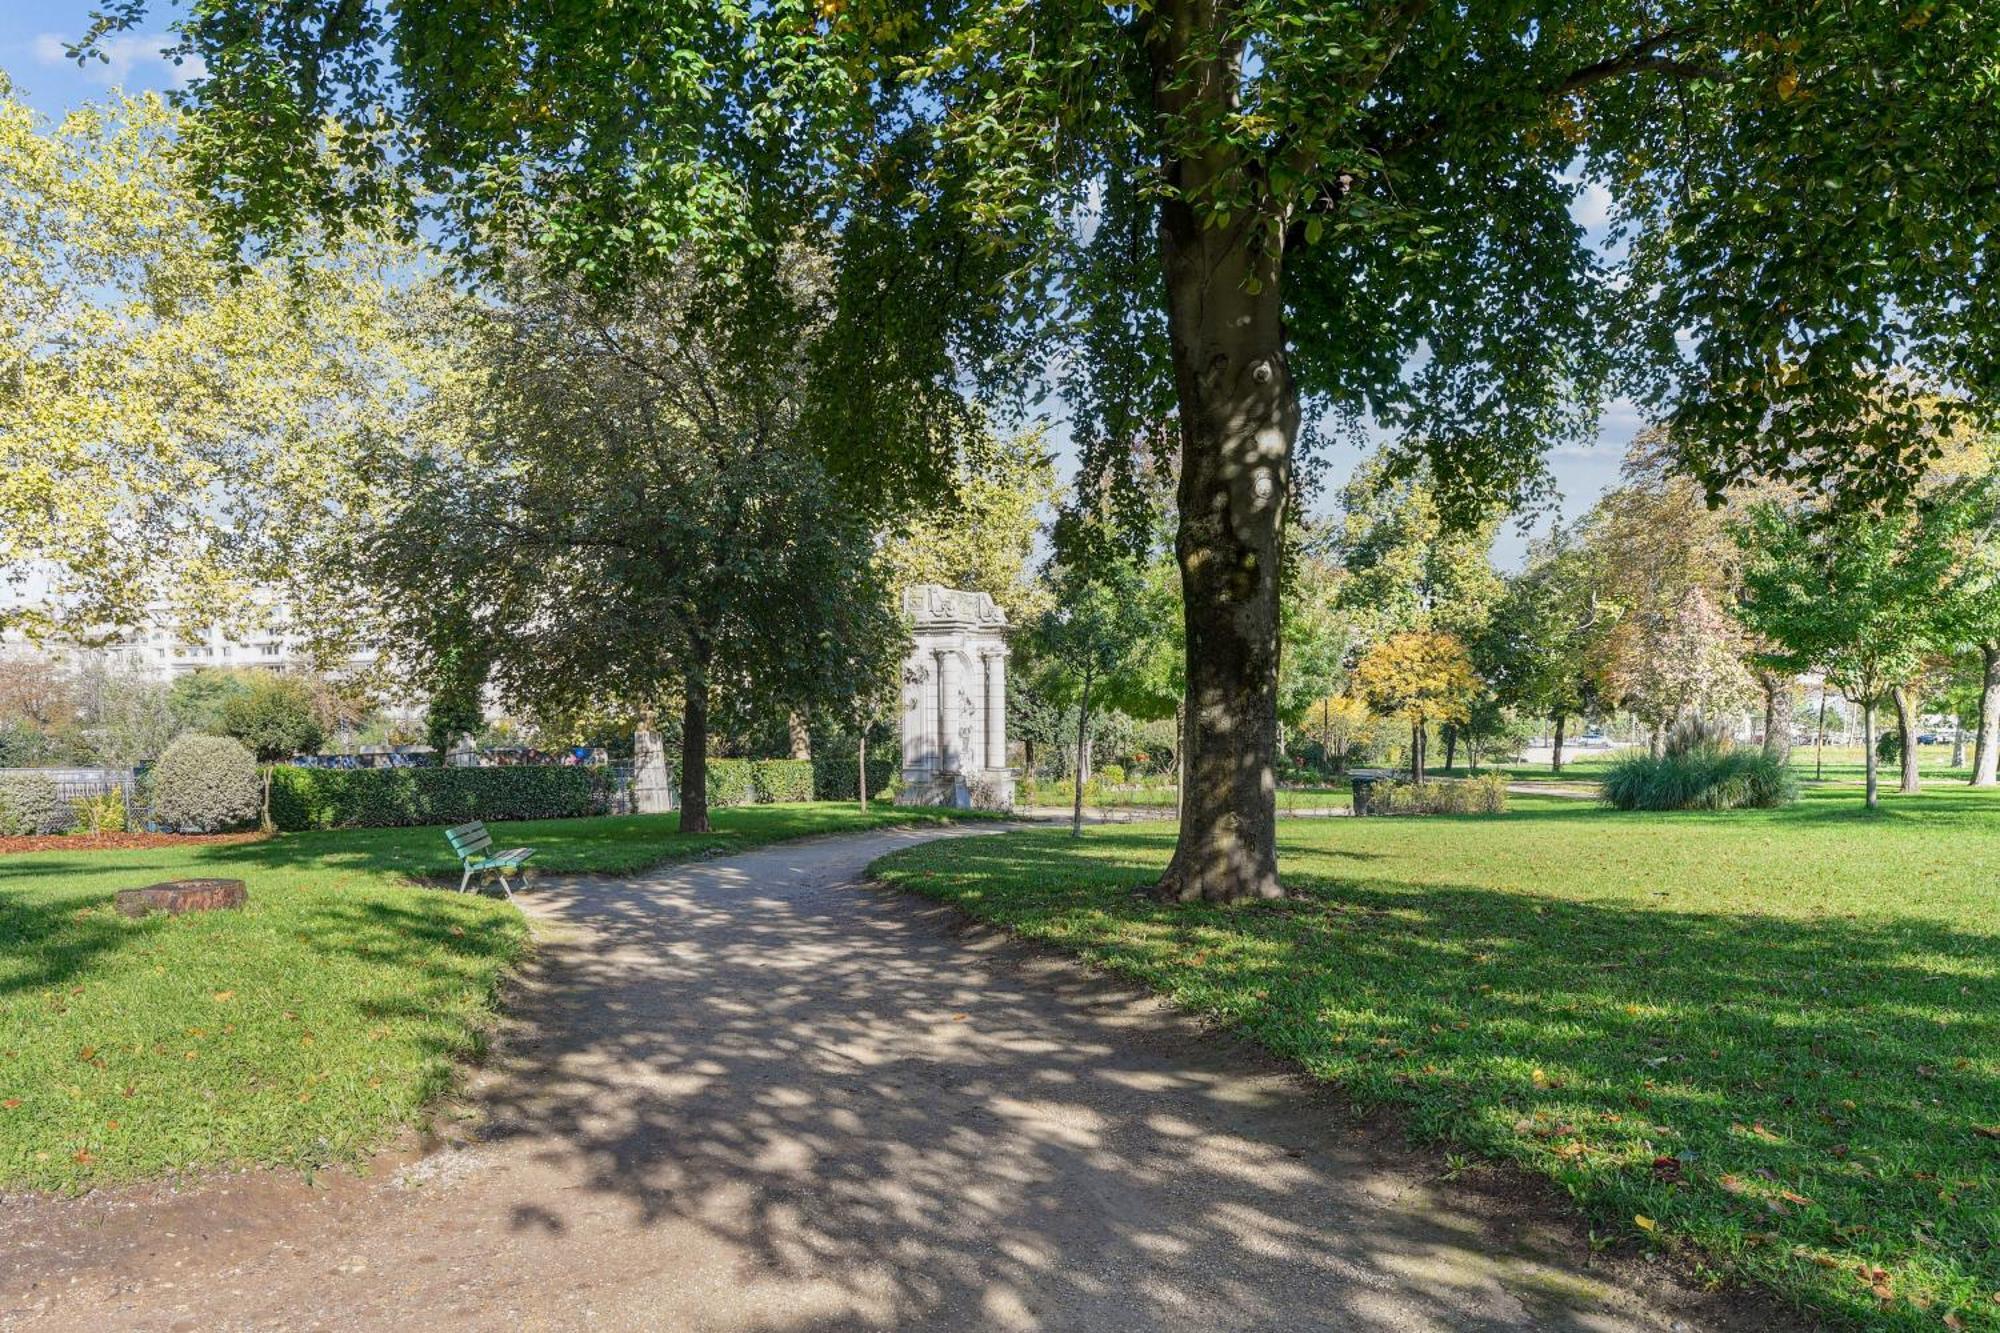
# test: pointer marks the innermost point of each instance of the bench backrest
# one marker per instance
(469, 839)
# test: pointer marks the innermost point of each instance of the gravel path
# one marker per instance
(755, 1094)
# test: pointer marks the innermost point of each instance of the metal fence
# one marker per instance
(80, 784)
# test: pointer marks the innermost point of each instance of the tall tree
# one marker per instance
(636, 520)
(1541, 648)
(1665, 558)
(1420, 677)
(1969, 614)
(1207, 212)
(1854, 595)
(1088, 646)
(276, 717)
(171, 423)
(1406, 567)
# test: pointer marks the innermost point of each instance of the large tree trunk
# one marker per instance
(1957, 742)
(1777, 715)
(798, 736)
(694, 754)
(1874, 796)
(1556, 752)
(1450, 746)
(1906, 725)
(1239, 416)
(1986, 749)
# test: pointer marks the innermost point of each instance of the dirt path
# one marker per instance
(753, 1094)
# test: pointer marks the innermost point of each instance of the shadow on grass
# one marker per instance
(1846, 1060)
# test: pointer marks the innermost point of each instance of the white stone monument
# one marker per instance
(652, 784)
(955, 701)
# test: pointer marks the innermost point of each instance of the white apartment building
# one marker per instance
(161, 651)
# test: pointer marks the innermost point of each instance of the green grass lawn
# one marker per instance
(298, 1031)
(1768, 1041)
(1835, 764)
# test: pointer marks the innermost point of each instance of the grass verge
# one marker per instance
(298, 1031)
(1767, 1041)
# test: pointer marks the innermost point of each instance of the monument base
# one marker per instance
(982, 789)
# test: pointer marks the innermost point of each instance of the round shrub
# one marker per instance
(1700, 780)
(28, 804)
(206, 784)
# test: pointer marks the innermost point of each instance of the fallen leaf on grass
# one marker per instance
(224, 996)
(1644, 1223)
(1987, 1131)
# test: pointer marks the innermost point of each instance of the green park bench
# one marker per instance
(474, 846)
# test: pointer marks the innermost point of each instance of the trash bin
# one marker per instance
(1364, 780)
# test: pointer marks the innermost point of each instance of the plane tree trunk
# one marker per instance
(1986, 746)
(1906, 726)
(1239, 417)
(694, 753)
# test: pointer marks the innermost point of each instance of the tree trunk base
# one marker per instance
(1222, 885)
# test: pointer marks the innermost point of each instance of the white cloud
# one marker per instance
(1591, 207)
(124, 56)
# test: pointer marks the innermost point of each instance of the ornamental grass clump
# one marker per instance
(1700, 780)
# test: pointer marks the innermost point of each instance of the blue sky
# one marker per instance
(32, 33)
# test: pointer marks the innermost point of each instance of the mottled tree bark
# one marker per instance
(1239, 416)
(1906, 725)
(799, 738)
(694, 753)
(1986, 748)
(1556, 752)
(1777, 715)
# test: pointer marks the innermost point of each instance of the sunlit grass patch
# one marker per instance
(1774, 1035)
(297, 1031)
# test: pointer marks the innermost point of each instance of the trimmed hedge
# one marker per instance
(775, 780)
(1700, 780)
(759, 781)
(323, 798)
(833, 775)
(729, 782)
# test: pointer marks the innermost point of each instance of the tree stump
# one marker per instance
(183, 895)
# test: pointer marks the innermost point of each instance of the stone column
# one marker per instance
(947, 687)
(996, 709)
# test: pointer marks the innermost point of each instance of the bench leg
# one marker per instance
(505, 887)
(465, 879)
